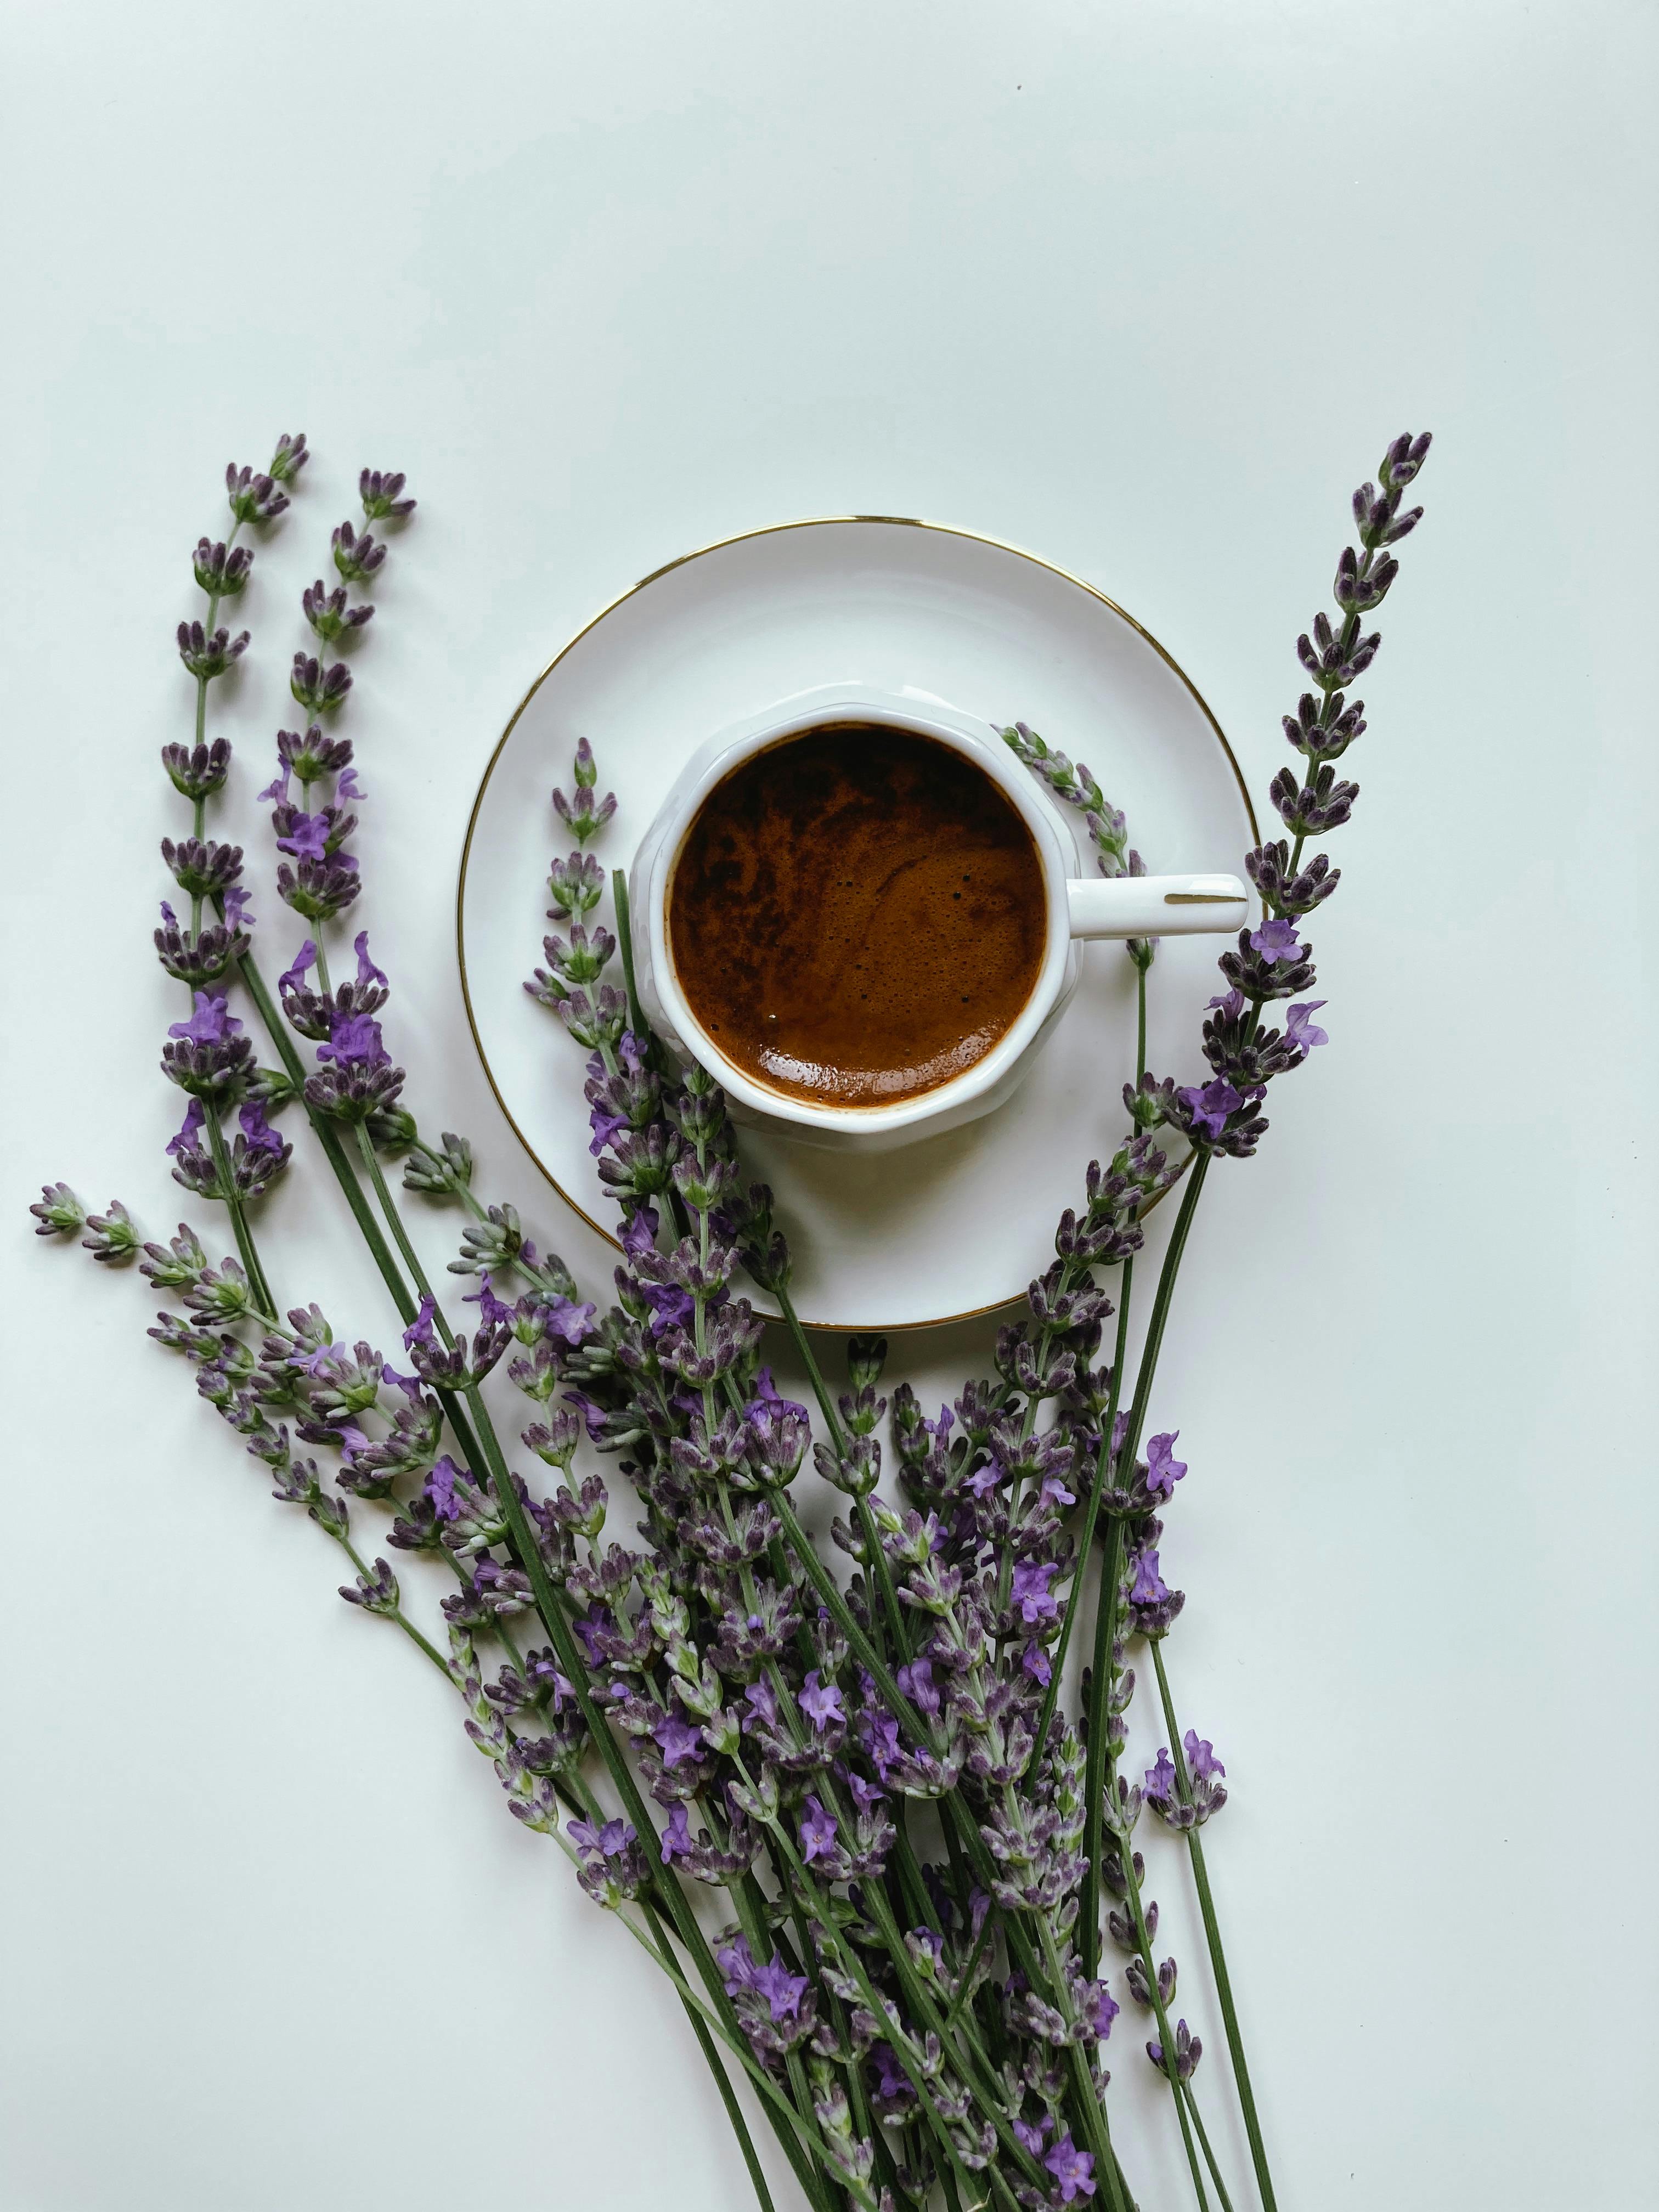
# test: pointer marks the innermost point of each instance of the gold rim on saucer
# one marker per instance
(739, 537)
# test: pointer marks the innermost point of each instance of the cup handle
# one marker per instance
(1156, 905)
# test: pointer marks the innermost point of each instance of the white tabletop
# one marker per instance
(1148, 291)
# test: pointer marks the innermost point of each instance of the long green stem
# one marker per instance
(1212, 1939)
(1160, 1314)
(1191, 2103)
(1154, 1998)
(821, 1389)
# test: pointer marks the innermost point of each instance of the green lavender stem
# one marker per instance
(1149, 1966)
(1191, 2103)
(1212, 1939)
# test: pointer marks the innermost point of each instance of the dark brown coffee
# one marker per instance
(857, 915)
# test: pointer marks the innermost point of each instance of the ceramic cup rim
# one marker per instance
(662, 845)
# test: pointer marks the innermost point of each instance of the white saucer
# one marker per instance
(955, 1225)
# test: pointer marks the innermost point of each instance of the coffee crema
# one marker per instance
(857, 915)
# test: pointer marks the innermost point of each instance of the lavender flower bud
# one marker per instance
(207, 656)
(611, 1867)
(253, 498)
(201, 867)
(319, 888)
(327, 612)
(575, 885)
(289, 457)
(58, 1212)
(493, 1243)
(317, 688)
(309, 757)
(221, 574)
(355, 557)
(199, 958)
(380, 496)
(198, 769)
(1187, 2051)
(441, 1174)
(1269, 869)
(1312, 809)
(375, 1593)
(111, 1235)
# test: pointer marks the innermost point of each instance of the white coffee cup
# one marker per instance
(1078, 906)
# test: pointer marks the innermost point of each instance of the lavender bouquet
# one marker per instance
(871, 1822)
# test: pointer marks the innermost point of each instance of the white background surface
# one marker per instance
(1146, 290)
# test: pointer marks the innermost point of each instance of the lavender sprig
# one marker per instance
(206, 1055)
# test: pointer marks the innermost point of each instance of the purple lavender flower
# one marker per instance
(1210, 1106)
(571, 1323)
(676, 1740)
(1149, 1587)
(593, 1416)
(639, 1232)
(210, 1023)
(1073, 2169)
(440, 1489)
(820, 1702)
(1097, 2009)
(917, 1680)
(189, 1131)
(606, 1128)
(308, 836)
(1033, 1601)
(355, 1040)
(782, 1990)
(294, 978)
(491, 1309)
(1159, 1783)
(1164, 1469)
(893, 2091)
(1201, 1761)
(865, 1794)
(677, 1836)
(261, 1137)
(1300, 1028)
(817, 1832)
(1277, 940)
